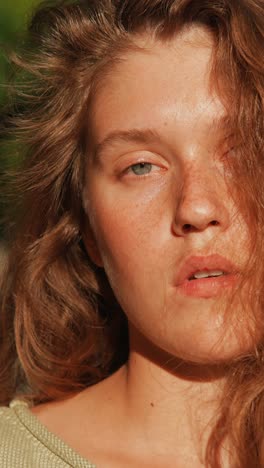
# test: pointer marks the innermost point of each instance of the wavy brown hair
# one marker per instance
(61, 328)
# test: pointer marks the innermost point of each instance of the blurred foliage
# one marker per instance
(14, 16)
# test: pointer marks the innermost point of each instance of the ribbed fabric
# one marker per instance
(26, 443)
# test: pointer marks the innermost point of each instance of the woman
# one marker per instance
(132, 308)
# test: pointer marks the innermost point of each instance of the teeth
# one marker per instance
(207, 274)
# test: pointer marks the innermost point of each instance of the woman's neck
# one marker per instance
(154, 409)
(168, 412)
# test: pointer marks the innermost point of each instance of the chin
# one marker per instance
(214, 352)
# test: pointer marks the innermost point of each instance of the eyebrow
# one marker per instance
(145, 136)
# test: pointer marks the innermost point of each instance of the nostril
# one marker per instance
(187, 227)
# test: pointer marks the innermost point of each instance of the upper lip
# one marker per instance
(208, 263)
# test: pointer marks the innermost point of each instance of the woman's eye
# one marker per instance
(141, 168)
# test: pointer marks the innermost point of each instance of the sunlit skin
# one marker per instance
(139, 216)
(146, 221)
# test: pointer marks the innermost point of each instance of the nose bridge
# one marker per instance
(199, 184)
(202, 200)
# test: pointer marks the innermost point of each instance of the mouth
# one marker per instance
(206, 277)
(207, 274)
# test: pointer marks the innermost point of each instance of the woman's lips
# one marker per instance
(206, 287)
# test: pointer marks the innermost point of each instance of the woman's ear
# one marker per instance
(91, 245)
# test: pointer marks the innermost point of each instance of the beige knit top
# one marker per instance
(26, 443)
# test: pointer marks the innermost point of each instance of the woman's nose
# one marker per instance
(202, 205)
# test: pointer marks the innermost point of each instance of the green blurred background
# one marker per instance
(14, 16)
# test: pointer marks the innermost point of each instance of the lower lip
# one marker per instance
(207, 287)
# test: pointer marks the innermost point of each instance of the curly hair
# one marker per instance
(50, 284)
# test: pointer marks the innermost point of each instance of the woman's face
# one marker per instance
(158, 203)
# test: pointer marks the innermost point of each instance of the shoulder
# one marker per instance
(14, 440)
(18, 446)
(25, 443)
(9, 426)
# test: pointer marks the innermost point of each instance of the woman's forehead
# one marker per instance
(162, 84)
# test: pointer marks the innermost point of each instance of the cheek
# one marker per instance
(129, 238)
(133, 237)
(130, 229)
